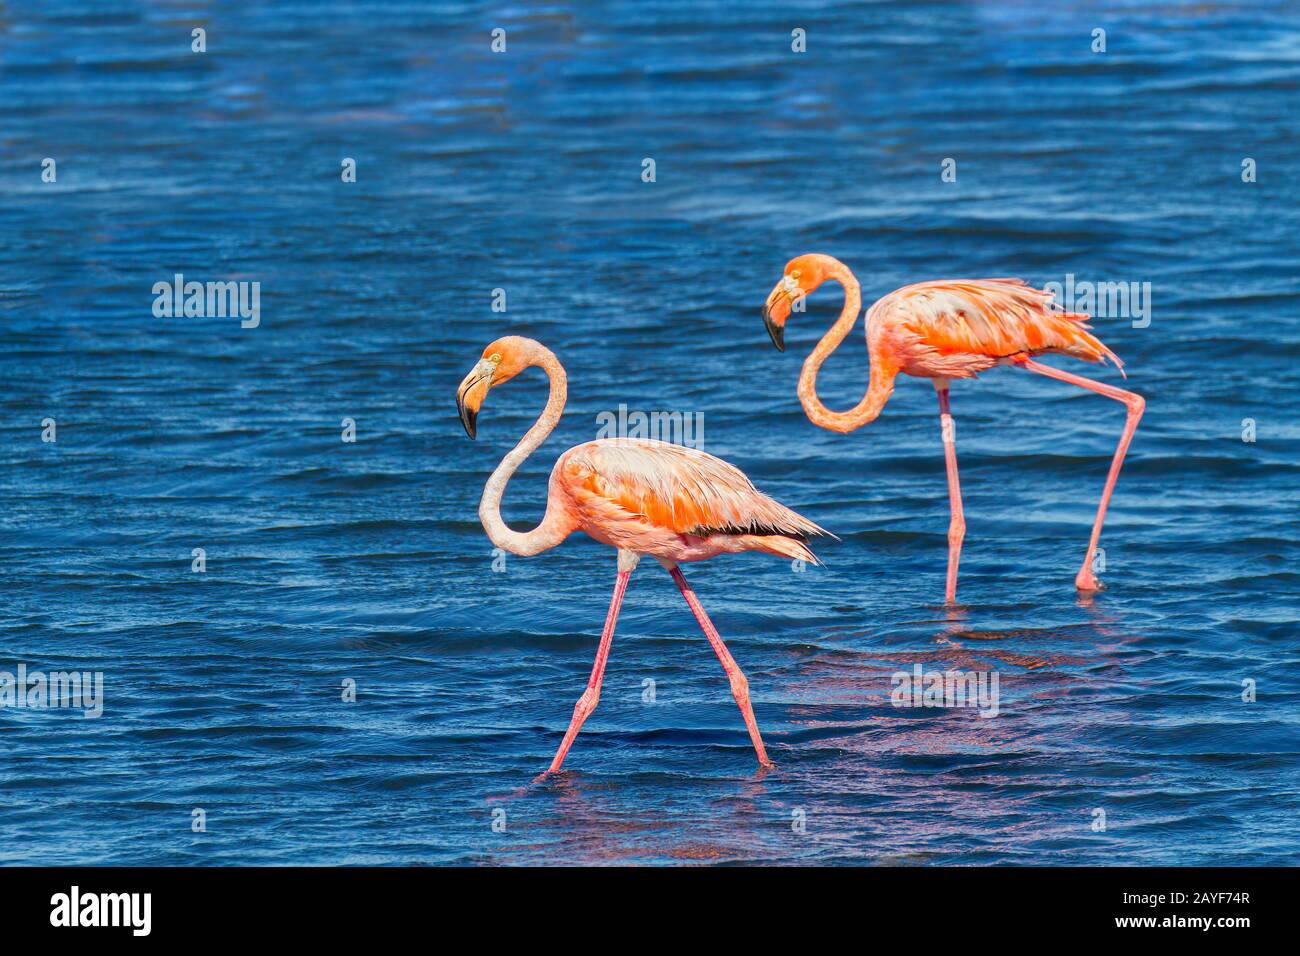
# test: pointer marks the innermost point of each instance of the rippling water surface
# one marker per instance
(329, 561)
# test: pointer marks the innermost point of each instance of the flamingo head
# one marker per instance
(802, 275)
(502, 360)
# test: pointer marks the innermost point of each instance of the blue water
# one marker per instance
(329, 561)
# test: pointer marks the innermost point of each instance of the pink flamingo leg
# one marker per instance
(591, 696)
(1086, 580)
(957, 527)
(739, 684)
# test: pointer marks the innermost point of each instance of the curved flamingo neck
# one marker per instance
(881, 385)
(555, 526)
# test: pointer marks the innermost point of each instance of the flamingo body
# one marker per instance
(957, 328)
(673, 503)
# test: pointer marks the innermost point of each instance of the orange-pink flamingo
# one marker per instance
(951, 328)
(641, 497)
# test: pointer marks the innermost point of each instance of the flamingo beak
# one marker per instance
(775, 311)
(469, 397)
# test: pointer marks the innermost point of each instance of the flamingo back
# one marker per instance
(623, 488)
(955, 328)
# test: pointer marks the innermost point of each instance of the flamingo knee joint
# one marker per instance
(587, 702)
(739, 686)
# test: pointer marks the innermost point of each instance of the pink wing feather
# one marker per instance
(656, 485)
(957, 327)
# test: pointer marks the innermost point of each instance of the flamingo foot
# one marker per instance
(1085, 580)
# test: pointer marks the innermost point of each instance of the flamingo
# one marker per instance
(945, 330)
(641, 497)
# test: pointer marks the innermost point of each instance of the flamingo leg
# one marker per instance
(739, 684)
(1086, 580)
(591, 696)
(957, 526)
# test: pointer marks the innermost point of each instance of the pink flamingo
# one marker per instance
(673, 503)
(952, 328)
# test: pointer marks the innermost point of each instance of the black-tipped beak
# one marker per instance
(468, 418)
(469, 397)
(777, 332)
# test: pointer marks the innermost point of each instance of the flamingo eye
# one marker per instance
(495, 358)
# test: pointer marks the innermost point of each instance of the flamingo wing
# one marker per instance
(942, 324)
(676, 488)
